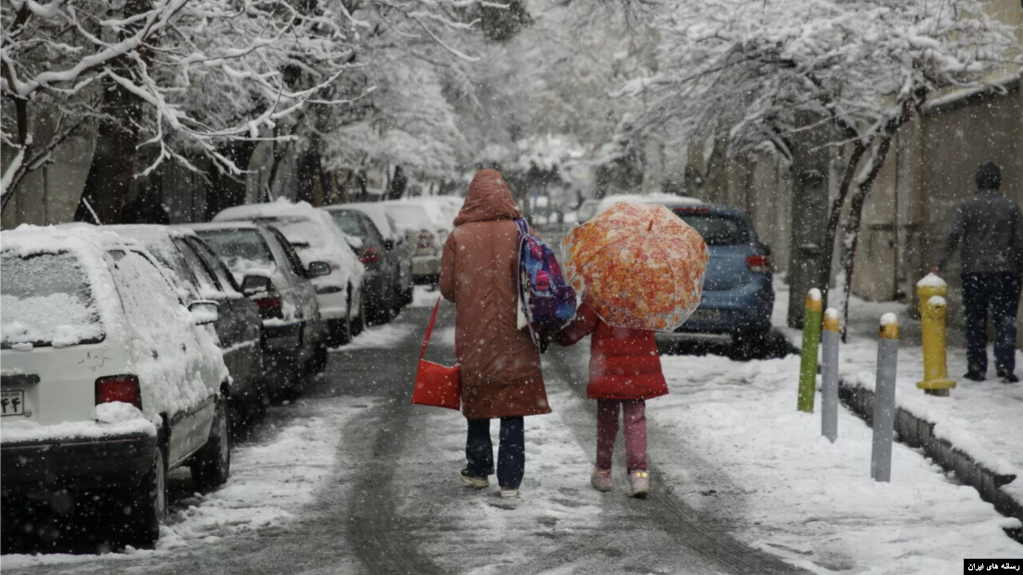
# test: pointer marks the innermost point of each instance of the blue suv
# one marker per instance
(738, 290)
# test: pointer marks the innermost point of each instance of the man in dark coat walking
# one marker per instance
(990, 227)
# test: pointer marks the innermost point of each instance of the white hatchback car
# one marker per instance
(317, 238)
(108, 380)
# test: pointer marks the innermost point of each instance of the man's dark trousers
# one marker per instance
(511, 458)
(1000, 291)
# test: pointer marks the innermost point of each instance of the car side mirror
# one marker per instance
(253, 285)
(318, 269)
(389, 245)
(204, 312)
(355, 242)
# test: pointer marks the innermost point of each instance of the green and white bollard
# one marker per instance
(811, 339)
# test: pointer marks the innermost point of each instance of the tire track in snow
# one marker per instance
(703, 532)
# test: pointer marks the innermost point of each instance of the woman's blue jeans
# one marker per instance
(511, 458)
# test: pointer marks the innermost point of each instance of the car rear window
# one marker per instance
(349, 223)
(716, 229)
(241, 250)
(46, 300)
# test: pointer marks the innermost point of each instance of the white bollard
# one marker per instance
(829, 368)
(884, 399)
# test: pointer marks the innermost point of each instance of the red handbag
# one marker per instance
(436, 385)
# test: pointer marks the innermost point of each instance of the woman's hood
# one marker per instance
(489, 199)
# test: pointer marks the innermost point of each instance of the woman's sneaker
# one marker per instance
(475, 481)
(509, 492)
(640, 481)
(601, 479)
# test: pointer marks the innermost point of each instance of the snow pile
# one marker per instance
(889, 319)
(388, 335)
(798, 487)
(931, 281)
(112, 420)
(423, 296)
(269, 482)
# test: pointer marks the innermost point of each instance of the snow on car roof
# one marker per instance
(229, 225)
(653, 198)
(375, 211)
(323, 238)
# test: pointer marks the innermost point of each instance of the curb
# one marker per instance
(917, 432)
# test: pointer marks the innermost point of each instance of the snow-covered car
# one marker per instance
(395, 242)
(651, 198)
(273, 276)
(108, 380)
(586, 210)
(738, 290)
(381, 283)
(442, 211)
(317, 239)
(423, 235)
(199, 275)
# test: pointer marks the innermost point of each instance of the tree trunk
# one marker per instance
(228, 190)
(835, 217)
(108, 183)
(809, 207)
(852, 228)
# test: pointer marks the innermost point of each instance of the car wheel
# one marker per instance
(212, 465)
(148, 504)
(359, 325)
(319, 362)
(749, 344)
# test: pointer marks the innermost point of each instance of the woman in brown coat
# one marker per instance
(500, 365)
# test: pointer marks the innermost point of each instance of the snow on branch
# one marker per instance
(743, 71)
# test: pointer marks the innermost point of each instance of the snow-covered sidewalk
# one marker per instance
(813, 502)
(982, 420)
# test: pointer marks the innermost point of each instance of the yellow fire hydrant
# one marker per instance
(931, 291)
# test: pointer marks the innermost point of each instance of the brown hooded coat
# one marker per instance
(500, 365)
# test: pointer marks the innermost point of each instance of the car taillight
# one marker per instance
(269, 307)
(123, 388)
(371, 255)
(425, 240)
(759, 264)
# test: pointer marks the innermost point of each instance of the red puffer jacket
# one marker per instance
(624, 363)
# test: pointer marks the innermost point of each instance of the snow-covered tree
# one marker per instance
(756, 73)
(175, 79)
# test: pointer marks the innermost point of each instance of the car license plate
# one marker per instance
(706, 315)
(12, 402)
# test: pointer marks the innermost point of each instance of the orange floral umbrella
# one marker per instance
(640, 265)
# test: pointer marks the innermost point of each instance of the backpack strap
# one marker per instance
(523, 233)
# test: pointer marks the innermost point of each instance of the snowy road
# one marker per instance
(353, 479)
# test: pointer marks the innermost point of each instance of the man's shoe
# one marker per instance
(1007, 377)
(601, 480)
(509, 492)
(640, 481)
(974, 376)
(474, 481)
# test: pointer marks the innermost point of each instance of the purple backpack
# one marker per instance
(548, 302)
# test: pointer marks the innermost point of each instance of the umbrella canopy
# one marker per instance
(640, 265)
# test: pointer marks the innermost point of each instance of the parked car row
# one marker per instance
(129, 351)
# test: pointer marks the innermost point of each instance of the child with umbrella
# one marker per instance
(641, 269)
